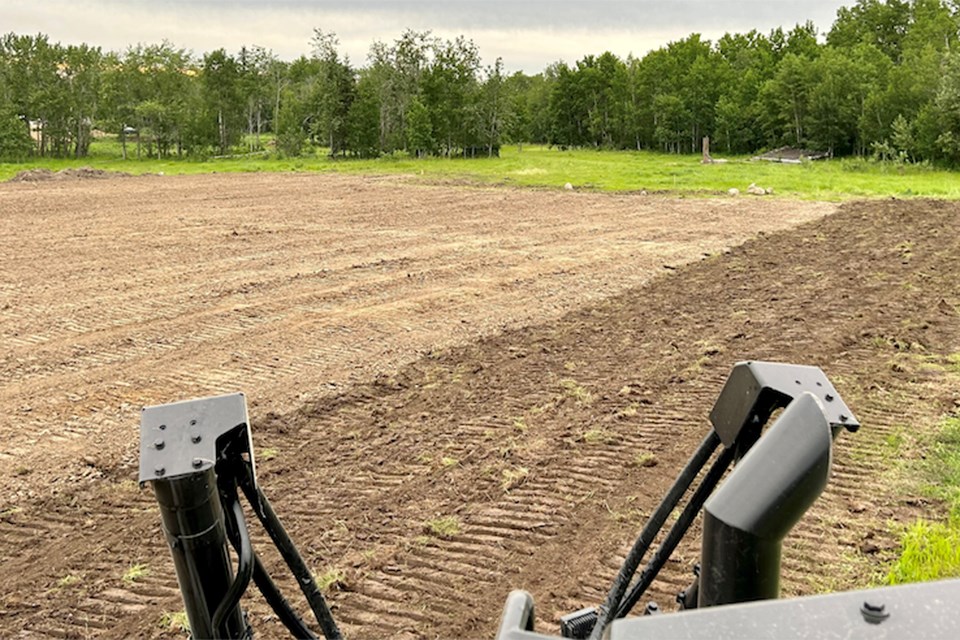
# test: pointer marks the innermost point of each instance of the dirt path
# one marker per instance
(524, 423)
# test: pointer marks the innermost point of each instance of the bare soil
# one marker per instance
(536, 364)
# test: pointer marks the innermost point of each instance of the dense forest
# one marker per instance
(884, 81)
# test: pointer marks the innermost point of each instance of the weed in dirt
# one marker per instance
(645, 459)
(520, 425)
(953, 362)
(176, 621)
(447, 462)
(445, 527)
(333, 578)
(68, 580)
(511, 478)
(599, 436)
(267, 454)
(135, 573)
(572, 389)
(629, 411)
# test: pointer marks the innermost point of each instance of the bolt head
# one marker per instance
(197, 463)
(159, 444)
(159, 471)
(196, 439)
(874, 612)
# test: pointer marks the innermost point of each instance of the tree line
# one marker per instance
(883, 81)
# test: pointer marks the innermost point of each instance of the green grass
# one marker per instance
(931, 550)
(537, 166)
(445, 527)
(135, 573)
(329, 580)
(175, 621)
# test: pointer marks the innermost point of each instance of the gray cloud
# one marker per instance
(527, 35)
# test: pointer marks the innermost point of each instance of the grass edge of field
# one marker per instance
(929, 549)
(535, 166)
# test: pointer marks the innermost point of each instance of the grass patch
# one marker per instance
(332, 579)
(136, 573)
(539, 166)
(645, 459)
(943, 466)
(931, 550)
(511, 478)
(445, 527)
(175, 621)
(572, 389)
(267, 454)
(68, 580)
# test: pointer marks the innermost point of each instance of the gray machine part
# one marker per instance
(926, 610)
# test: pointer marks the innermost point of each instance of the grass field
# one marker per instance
(537, 166)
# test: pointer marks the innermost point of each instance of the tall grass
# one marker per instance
(537, 166)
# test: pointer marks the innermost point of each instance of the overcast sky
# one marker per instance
(527, 35)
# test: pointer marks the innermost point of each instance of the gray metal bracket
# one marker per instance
(187, 437)
(755, 389)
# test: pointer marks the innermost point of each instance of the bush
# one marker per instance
(15, 141)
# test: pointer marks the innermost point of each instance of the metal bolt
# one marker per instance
(819, 384)
(193, 423)
(843, 418)
(197, 463)
(874, 613)
(652, 608)
(797, 381)
(196, 438)
(162, 427)
(159, 471)
(159, 444)
(828, 398)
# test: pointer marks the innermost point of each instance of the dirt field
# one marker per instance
(411, 353)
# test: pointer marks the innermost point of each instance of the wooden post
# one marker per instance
(706, 151)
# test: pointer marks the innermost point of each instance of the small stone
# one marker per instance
(568, 187)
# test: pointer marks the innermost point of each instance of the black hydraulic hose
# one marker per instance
(271, 523)
(678, 530)
(244, 566)
(610, 608)
(290, 619)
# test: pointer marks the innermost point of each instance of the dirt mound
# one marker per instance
(78, 173)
